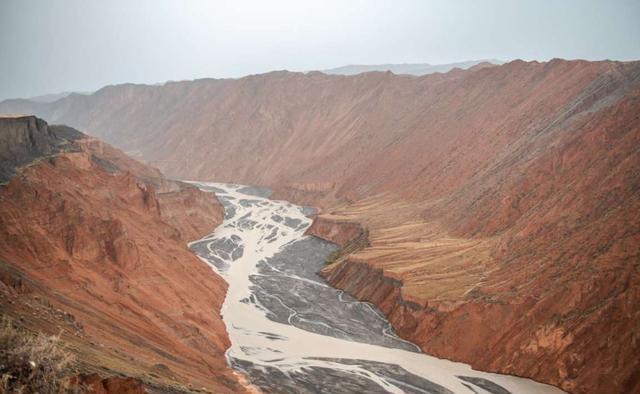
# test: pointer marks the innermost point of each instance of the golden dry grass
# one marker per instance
(32, 363)
(431, 264)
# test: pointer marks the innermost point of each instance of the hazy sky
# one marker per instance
(82, 45)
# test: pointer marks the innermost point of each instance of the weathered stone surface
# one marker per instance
(98, 245)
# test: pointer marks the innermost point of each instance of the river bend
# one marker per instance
(291, 332)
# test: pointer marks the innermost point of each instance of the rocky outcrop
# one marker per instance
(337, 230)
(114, 160)
(26, 138)
(90, 251)
(190, 211)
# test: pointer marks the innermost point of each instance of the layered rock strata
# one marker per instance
(91, 251)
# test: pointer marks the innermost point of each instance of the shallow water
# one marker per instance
(292, 333)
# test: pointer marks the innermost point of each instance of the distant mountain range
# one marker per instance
(50, 98)
(352, 69)
(409, 68)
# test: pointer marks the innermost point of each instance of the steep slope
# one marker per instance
(336, 128)
(91, 251)
(501, 203)
(24, 140)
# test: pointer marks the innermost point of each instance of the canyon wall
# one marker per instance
(421, 137)
(581, 337)
(92, 252)
(502, 203)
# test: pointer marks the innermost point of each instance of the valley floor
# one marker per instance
(292, 332)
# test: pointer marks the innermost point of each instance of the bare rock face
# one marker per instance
(190, 211)
(99, 245)
(27, 138)
(502, 202)
(334, 229)
(457, 301)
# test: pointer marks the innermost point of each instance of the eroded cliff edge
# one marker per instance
(451, 297)
(90, 250)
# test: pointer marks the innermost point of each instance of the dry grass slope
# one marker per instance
(32, 363)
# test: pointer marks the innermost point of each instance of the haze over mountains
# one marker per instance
(49, 98)
(405, 68)
(408, 68)
(500, 203)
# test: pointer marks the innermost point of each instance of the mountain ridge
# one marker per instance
(488, 194)
(417, 69)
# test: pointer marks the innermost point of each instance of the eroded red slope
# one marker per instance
(98, 244)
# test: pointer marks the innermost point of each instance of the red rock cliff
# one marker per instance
(101, 248)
